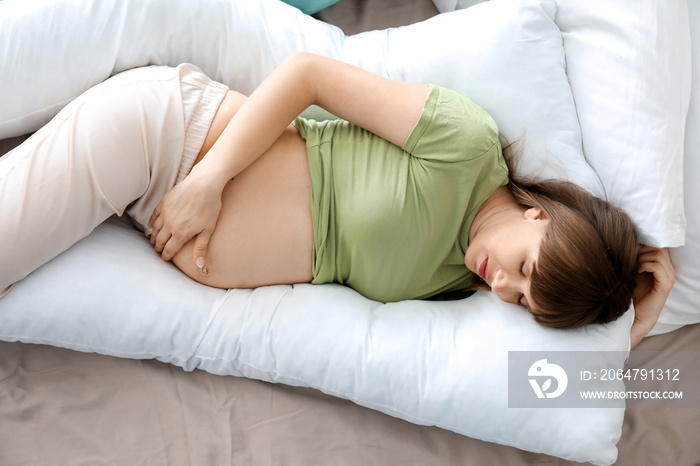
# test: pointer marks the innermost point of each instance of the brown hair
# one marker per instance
(587, 263)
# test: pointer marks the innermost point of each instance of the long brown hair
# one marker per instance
(587, 263)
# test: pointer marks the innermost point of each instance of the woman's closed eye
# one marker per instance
(522, 274)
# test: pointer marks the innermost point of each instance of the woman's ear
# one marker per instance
(535, 213)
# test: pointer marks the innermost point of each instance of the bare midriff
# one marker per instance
(264, 235)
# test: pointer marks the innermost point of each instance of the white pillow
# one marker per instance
(446, 50)
(682, 306)
(507, 55)
(68, 46)
(628, 62)
(431, 363)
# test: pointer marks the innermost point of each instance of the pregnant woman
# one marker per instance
(406, 196)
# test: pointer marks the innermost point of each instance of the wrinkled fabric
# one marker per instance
(117, 148)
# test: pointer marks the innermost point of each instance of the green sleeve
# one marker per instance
(451, 128)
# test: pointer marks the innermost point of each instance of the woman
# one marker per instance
(389, 224)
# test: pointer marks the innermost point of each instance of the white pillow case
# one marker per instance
(682, 307)
(629, 65)
(152, 314)
(69, 46)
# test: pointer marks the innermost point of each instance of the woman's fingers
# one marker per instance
(155, 214)
(654, 282)
(156, 227)
(174, 243)
(161, 239)
(659, 255)
(199, 251)
(190, 209)
(657, 263)
(168, 240)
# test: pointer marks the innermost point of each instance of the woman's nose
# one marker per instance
(503, 282)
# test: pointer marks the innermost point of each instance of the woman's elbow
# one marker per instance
(305, 66)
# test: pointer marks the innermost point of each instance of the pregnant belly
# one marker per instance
(264, 235)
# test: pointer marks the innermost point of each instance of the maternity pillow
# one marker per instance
(437, 363)
(633, 115)
(430, 363)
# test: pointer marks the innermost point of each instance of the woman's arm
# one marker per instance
(655, 280)
(387, 108)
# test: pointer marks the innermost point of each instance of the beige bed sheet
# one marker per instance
(60, 407)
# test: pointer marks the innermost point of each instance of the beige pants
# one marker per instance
(117, 148)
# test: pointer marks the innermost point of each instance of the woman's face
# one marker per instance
(504, 253)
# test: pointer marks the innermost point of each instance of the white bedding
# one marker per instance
(111, 294)
(682, 306)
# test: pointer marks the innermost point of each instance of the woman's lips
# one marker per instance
(483, 268)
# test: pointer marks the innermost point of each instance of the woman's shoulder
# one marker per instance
(453, 124)
(462, 110)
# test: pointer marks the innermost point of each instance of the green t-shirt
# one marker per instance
(391, 222)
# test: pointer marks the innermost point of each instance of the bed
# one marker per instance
(166, 402)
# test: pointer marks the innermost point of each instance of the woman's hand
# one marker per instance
(189, 210)
(654, 282)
